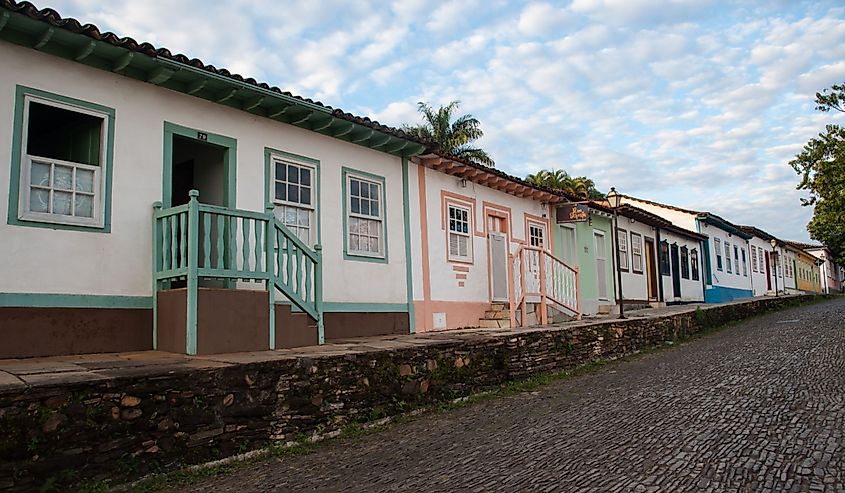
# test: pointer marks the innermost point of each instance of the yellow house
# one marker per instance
(807, 273)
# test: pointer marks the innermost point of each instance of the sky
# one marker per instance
(699, 104)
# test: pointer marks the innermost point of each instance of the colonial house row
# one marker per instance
(155, 202)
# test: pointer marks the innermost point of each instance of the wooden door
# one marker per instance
(676, 272)
(651, 268)
(497, 240)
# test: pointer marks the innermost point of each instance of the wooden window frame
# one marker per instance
(469, 259)
(635, 254)
(624, 261)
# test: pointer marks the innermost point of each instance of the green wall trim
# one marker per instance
(49, 300)
(230, 165)
(409, 267)
(15, 177)
(345, 171)
(268, 180)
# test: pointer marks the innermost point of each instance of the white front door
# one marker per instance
(498, 266)
(601, 264)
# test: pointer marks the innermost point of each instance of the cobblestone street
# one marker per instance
(759, 406)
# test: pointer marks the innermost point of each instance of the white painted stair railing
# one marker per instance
(537, 276)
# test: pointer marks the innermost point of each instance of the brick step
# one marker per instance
(495, 323)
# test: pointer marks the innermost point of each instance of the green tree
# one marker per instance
(454, 135)
(821, 165)
(560, 180)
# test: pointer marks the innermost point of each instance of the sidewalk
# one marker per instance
(18, 374)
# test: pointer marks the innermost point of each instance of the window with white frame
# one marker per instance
(736, 259)
(460, 233)
(536, 235)
(717, 245)
(728, 257)
(753, 258)
(62, 163)
(636, 253)
(744, 264)
(622, 245)
(294, 197)
(365, 217)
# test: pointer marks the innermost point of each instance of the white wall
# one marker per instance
(691, 289)
(735, 278)
(635, 285)
(444, 282)
(119, 263)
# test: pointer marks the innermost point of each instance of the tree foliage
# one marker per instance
(821, 165)
(454, 135)
(560, 180)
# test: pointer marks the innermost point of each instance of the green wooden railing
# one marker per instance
(195, 241)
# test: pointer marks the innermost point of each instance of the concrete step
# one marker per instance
(497, 314)
(487, 323)
(498, 306)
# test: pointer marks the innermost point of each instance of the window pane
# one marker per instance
(84, 206)
(61, 203)
(293, 193)
(293, 174)
(281, 173)
(374, 192)
(305, 176)
(63, 178)
(374, 246)
(356, 205)
(60, 133)
(290, 215)
(353, 242)
(305, 195)
(362, 227)
(374, 208)
(39, 200)
(354, 188)
(40, 174)
(365, 207)
(281, 191)
(84, 180)
(304, 217)
(365, 191)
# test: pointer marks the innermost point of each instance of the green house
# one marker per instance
(587, 244)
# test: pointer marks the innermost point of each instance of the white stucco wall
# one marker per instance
(119, 263)
(735, 278)
(476, 286)
(691, 289)
(635, 285)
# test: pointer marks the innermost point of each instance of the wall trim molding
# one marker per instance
(55, 300)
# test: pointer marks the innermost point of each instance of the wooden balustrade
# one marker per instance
(539, 277)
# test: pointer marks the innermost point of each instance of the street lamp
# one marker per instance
(615, 200)
(774, 243)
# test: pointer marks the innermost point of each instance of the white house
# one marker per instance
(831, 272)
(98, 130)
(726, 267)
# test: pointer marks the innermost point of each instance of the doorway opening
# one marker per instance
(651, 269)
(199, 166)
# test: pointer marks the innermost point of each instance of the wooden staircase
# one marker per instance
(497, 317)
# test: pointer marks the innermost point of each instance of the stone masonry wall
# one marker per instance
(126, 427)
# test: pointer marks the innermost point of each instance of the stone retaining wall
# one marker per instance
(126, 427)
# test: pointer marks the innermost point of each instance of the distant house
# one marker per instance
(808, 276)
(726, 265)
(832, 274)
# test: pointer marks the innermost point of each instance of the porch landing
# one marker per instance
(20, 374)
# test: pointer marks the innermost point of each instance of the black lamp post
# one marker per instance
(774, 243)
(615, 199)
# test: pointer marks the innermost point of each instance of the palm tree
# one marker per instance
(453, 137)
(560, 180)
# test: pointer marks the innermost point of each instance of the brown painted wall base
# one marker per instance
(296, 329)
(31, 332)
(228, 320)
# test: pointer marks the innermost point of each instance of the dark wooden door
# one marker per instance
(676, 272)
(768, 274)
(651, 268)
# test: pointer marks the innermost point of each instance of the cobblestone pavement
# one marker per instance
(759, 406)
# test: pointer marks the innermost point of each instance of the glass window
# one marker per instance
(744, 264)
(728, 257)
(460, 233)
(536, 235)
(61, 172)
(665, 267)
(693, 257)
(365, 213)
(736, 259)
(717, 244)
(684, 262)
(293, 186)
(622, 245)
(637, 253)
(753, 258)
